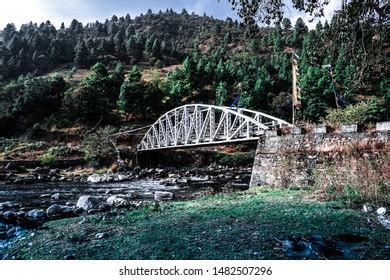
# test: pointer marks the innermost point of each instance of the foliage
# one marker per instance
(91, 100)
(222, 226)
(99, 146)
(273, 11)
(235, 159)
(359, 113)
(47, 158)
(219, 59)
(131, 93)
(30, 100)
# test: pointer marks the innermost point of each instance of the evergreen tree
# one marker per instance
(221, 94)
(82, 55)
(131, 94)
(286, 22)
(156, 48)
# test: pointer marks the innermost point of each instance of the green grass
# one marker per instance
(244, 225)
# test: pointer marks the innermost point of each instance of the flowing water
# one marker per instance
(40, 195)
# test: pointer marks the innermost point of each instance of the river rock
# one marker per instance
(36, 215)
(385, 222)
(381, 211)
(88, 202)
(8, 205)
(3, 227)
(24, 179)
(367, 208)
(3, 235)
(78, 210)
(136, 170)
(9, 215)
(56, 196)
(117, 201)
(94, 179)
(101, 235)
(104, 178)
(54, 211)
(163, 196)
(68, 210)
(21, 215)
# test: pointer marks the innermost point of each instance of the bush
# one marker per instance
(34, 98)
(47, 158)
(99, 147)
(360, 113)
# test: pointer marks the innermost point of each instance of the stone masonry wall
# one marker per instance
(347, 157)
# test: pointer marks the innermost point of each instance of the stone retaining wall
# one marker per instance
(320, 157)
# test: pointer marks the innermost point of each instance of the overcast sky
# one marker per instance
(57, 11)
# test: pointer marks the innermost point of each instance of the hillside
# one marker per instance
(157, 61)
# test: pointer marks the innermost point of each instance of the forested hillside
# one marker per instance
(217, 58)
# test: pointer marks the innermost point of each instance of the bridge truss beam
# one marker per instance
(198, 124)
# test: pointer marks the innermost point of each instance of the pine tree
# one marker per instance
(82, 56)
(156, 48)
(130, 98)
(286, 22)
(221, 94)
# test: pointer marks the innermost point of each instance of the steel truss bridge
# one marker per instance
(198, 125)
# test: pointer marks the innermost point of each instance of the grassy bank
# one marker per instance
(245, 225)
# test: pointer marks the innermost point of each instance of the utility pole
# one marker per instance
(296, 90)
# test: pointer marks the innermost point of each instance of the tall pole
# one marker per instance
(296, 90)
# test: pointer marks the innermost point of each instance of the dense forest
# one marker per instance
(206, 60)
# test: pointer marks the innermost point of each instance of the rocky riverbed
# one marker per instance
(47, 194)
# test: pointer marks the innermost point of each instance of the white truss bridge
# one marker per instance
(198, 125)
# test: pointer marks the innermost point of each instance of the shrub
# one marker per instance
(359, 113)
(99, 146)
(47, 158)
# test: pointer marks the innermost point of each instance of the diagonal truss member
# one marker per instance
(198, 124)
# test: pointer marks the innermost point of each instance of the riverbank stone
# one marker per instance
(9, 215)
(54, 211)
(163, 196)
(117, 201)
(87, 202)
(381, 211)
(36, 215)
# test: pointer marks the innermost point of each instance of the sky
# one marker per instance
(57, 11)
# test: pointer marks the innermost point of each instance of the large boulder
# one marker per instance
(54, 211)
(88, 202)
(163, 196)
(36, 215)
(117, 201)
